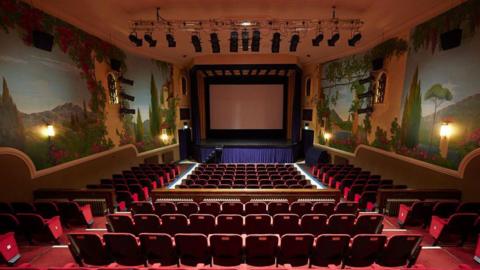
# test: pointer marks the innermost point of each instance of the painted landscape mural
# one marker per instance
(439, 120)
(60, 89)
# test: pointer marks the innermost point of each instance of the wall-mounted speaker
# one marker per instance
(42, 40)
(451, 39)
(307, 115)
(115, 64)
(127, 111)
(184, 114)
(127, 97)
(377, 63)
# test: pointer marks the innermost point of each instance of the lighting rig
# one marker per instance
(247, 31)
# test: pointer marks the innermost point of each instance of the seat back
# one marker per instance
(202, 223)
(346, 208)
(158, 248)
(120, 223)
(295, 249)
(232, 208)
(88, 248)
(401, 250)
(368, 224)
(469, 207)
(261, 249)
(5, 208)
(174, 223)
(365, 249)
(341, 223)
(23, 207)
(314, 224)
(124, 248)
(226, 249)
(162, 208)
(278, 208)
(142, 208)
(286, 223)
(229, 224)
(192, 248)
(258, 224)
(329, 249)
(325, 208)
(46, 209)
(31, 222)
(8, 223)
(461, 222)
(147, 223)
(444, 209)
(187, 208)
(212, 208)
(301, 208)
(255, 208)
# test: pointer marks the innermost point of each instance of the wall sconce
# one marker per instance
(327, 136)
(185, 125)
(164, 136)
(305, 126)
(445, 130)
(48, 131)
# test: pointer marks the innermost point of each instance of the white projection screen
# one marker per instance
(246, 107)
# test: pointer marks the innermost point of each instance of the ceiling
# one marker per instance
(110, 20)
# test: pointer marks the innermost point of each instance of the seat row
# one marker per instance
(70, 212)
(248, 186)
(254, 250)
(281, 224)
(272, 208)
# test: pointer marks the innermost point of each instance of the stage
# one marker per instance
(249, 151)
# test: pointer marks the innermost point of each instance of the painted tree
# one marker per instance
(412, 114)
(437, 94)
(139, 127)
(12, 132)
(154, 109)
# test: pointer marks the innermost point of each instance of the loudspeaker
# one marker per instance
(377, 63)
(42, 40)
(115, 64)
(451, 39)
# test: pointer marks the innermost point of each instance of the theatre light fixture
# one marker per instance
(244, 28)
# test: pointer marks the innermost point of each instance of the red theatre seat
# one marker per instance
(460, 225)
(88, 248)
(40, 229)
(8, 249)
(72, 213)
(226, 249)
(158, 248)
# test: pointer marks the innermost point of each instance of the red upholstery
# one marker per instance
(227, 249)
(8, 248)
(477, 251)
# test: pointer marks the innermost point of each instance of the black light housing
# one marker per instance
(215, 42)
(196, 43)
(245, 40)
(276, 42)
(335, 37)
(149, 39)
(294, 42)
(316, 41)
(234, 41)
(135, 40)
(354, 39)
(171, 40)
(256, 41)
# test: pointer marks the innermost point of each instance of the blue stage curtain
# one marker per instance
(258, 155)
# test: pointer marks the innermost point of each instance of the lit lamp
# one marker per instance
(445, 133)
(305, 126)
(49, 131)
(327, 136)
(185, 125)
(164, 136)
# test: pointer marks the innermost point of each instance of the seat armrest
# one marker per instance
(55, 226)
(87, 213)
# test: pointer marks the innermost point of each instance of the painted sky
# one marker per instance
(456, 69)
(39, 80)
(139, 69)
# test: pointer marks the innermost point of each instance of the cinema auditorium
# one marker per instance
(239, 135)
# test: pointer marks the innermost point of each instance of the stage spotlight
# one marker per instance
(294, 42)
(354, 39)
(256, 41)
(316, 41)
(234, 41)
(276, 42)
(171, 40)
(215, 42)
(335, 37)
(196, 43)
(149, 39)
(135, 40)
(245, 40)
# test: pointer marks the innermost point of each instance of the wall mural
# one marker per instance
(155, 104)
(60, 89)
(438, 122)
